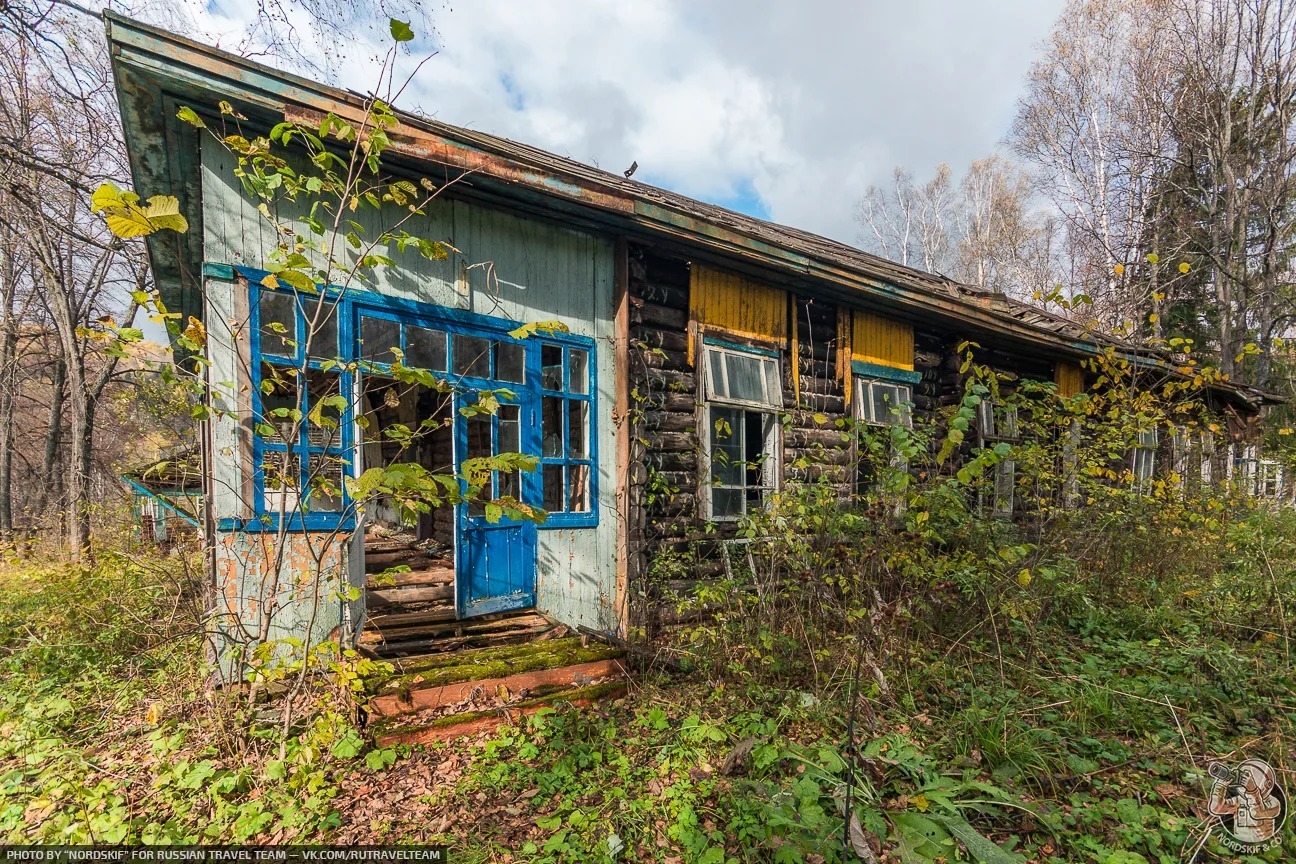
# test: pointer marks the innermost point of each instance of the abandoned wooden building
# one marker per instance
(676, 317)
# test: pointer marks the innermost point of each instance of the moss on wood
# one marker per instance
(478, 664)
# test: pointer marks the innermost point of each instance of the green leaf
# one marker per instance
(977, 845)
(534, 327)
(191, 117)
(400, 30)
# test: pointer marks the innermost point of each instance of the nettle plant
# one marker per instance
(339, 221)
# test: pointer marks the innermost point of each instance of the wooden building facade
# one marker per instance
(698, 351)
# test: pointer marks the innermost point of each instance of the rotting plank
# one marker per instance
(469, 723)
(429, 697)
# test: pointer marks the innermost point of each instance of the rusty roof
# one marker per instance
(153, 68)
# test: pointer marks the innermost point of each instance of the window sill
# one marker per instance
(558, 521)
(297, 524)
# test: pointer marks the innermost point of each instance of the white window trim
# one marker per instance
(710, 391)
(772, 465)
(1004, 492)
(901, 412)
(1143, 459)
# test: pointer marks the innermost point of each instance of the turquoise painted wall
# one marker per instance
(503, 265)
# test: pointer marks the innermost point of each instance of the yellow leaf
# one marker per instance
(1024, 577)
(1153, 318)
(1153, 258)
(270, 281)
(1184, 267)
(195, 332)
(920, 801)
(1119, 268)
(128, 222)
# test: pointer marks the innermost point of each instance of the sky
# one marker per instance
(785, 111)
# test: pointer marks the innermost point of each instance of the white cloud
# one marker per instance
(789, 109)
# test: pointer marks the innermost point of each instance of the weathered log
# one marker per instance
(653, 338)
(660, 316)
(672, 441)
(668, 421)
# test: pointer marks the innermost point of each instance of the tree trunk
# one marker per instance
(51, 463)
(8, 386)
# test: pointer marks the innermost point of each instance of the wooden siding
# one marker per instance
(736, 305)
(879, 340)
(503, 265)
(1069, 378)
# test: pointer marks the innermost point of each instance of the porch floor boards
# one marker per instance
(412, 612)
(408, 604)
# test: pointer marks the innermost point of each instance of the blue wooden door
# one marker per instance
(495, 561)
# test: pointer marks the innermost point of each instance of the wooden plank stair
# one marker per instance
(442, 697)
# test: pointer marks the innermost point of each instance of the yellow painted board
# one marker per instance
(737, 305)
(880, 340)
(1069, 378)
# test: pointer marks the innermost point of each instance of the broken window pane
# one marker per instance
(578, 370)
(551, 367)
(551, 426)
(578, 489)
(577, 427)
(280, 401)
(324, 408)
(324, 480)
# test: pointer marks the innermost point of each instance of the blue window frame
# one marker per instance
(303, 443)
(568, 464)
(557, 371)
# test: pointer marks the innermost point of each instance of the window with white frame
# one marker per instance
(998, 423)
(1269, 478)
(883, 403)
(880, 404)
(1143, 459)
(743, 390)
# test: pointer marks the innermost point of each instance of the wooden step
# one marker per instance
(396, 620)
(404, 595)
(384, 545)
(413, 559)
(440, 575)
(430, 698)
(431, 636)
(448, 727)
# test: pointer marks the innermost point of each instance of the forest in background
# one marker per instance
(1144, 190)
(901, 677)
(1144, 187)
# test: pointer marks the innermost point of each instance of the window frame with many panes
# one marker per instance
(568, 460)
(445, 337)
(740, 419)
(279, 356)
(880, 403)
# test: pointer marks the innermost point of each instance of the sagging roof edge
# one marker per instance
(624, 205)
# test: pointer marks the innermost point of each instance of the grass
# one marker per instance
(1083, 739)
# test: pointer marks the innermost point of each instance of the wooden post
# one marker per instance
(623, 426)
